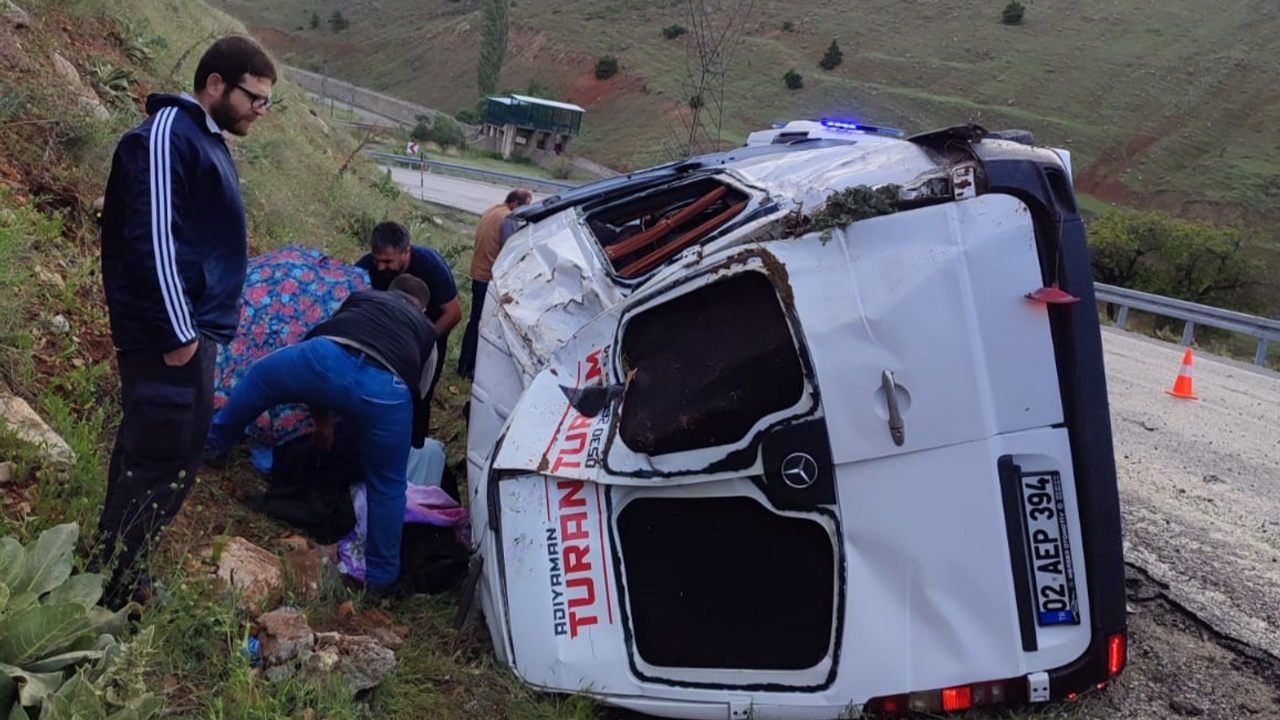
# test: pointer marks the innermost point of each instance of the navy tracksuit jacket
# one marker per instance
(174, 236)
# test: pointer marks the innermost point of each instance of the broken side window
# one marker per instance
(640, 233)
(707, 366)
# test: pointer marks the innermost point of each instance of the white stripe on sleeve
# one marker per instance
(166, 256)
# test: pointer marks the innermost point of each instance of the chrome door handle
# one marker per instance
(896, 428)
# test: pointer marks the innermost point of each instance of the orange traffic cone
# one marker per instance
(1182, 386)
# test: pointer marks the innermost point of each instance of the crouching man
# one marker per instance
(372, 363)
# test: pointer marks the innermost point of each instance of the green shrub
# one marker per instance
(422, 130)
(1012, 13)
(671, 32)
(793, 79)
(387, 186)
(338, 22)
(561, 169)
(788, 26)
(1187, 260)
(538, 90)
(606, 66)
(21, 227)
(445, 132)
(833, 57)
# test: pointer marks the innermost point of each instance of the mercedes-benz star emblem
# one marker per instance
(799, 470)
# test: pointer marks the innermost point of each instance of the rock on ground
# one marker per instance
(30, 428)
(252, 571)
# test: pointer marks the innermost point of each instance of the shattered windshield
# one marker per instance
(641, 232)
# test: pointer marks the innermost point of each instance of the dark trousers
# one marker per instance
(153, 464)
(471, 338)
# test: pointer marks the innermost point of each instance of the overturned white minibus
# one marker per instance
(807, 429)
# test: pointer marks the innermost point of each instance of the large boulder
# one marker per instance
(250, 571)
(14, 16)
(18, 416)
(84, 95)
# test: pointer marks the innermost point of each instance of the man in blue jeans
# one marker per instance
(372, 362)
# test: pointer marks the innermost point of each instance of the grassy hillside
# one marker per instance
(303, 182)
(1170, 105)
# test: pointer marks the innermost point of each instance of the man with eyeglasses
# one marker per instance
(174, 257)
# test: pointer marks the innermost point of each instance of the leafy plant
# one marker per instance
(606, 66)
(131, 42)
(671, 32)
(13, 101)
(833, 57)
(845, 207)
(1012, 13)
(315, 20)
(111, 82)
(386, 186)
(338, 22)
(58, 654)
(788, 26)
(793, 79)
(137, 50)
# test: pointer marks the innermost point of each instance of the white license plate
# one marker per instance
(1049, 549)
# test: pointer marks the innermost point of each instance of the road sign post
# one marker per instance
(415, 150)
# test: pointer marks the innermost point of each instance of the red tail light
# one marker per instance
(956, 698)
(1116, 646)
(959, 698)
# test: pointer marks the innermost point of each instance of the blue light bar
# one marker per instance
(850, 126)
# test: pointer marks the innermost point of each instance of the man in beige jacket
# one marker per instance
(491, 233)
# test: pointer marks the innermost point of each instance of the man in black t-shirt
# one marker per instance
(392, 255)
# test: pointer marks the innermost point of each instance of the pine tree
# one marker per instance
(493, 45)
(833, 57)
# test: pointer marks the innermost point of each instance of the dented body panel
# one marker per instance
(721, 457)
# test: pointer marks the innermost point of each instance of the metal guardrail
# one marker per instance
(1193, 314)
(466, 171)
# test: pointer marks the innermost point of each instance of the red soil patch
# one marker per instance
(278, 40)
(1104, 178)
(588, 90)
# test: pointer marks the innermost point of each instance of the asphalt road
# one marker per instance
(466, 195)
(1200, 483)
(1199, 480)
